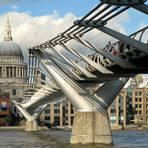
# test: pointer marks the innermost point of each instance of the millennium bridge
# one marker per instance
(90, 78)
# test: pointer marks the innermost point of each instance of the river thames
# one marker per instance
(60, 139)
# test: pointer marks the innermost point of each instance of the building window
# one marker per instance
(3, 106)
(135, 111)
(140, 112)
(140, 99)
(140, 105)
(47, 118)
(136, 93)
(56, 111)
(47, 111)
(113, 111)
(136, 99)
(14, 92)
(56, 120)
(140, 93)
(72, 110)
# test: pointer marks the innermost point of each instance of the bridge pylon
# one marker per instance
(94, 126)
(31, 125)
(31, 120)
(91, 122)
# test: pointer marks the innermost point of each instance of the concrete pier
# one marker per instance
(91, 127)
(31, 125)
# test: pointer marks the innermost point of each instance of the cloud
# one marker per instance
(28, 30)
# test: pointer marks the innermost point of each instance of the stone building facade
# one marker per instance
(13, 70)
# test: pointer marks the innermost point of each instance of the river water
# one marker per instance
(60, 139)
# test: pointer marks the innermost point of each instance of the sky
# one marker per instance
(36, 21)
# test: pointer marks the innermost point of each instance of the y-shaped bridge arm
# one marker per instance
(23, 111)
(27, 115)
(108, 92)
(39, 110)
(67, 85)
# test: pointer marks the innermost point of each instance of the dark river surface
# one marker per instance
(60, 139)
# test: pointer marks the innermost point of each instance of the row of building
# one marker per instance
(130, 107)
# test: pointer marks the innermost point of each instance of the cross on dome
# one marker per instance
(8, 36)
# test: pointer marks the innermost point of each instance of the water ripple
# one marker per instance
(60, 139)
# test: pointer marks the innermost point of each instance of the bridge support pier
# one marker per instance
(31, 120)
(91, 127)
(91, 123)
(31, 125)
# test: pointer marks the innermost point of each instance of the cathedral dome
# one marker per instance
(8, 47)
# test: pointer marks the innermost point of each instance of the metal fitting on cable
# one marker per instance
(87, 23)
